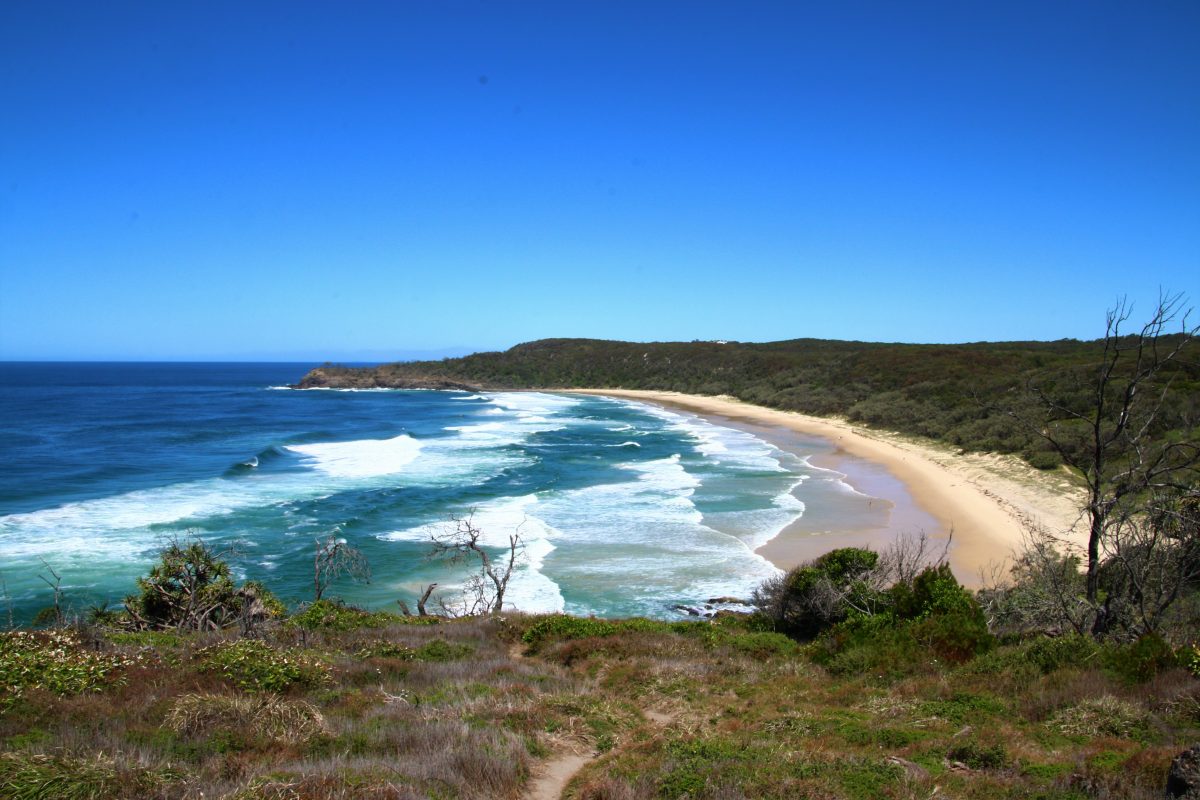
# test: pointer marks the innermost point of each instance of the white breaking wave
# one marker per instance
(360, 459)
(118, 527)
(641, 544)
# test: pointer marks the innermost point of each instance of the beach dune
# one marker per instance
(985, 503)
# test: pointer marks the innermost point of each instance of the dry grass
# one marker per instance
(260, 717)
(1101, 716)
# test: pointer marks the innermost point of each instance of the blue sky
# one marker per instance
(360, 180)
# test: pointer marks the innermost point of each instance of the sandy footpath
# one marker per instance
(987, 500)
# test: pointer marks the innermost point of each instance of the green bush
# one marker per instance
(1191, 659)
(934, 591)
(564, 627)
(815, 596)
(256, 666)
(953, 638)
(441, 650)
(1072, 650)
(189, 587)
(330, 615)
(927, 622)
(979, 756)
(53, 661)
(1141, 660)
(761, 645)
(878, 645)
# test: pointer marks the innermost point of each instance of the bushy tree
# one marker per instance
(821, 593)
(191, 588)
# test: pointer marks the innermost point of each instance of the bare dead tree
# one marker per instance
(425, 599)
(484, 590)
(54, 614)
(1108, 429)
(336, 558)
(8, 603)
(1150, 558)
(1044, 591)
(911, 553)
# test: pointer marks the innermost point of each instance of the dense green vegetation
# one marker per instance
(963, 394)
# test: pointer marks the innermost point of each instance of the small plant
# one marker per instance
(441, 650)
(979, 756)
(1191, 659)
(254, 665)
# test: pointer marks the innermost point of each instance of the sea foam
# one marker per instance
(362, 458)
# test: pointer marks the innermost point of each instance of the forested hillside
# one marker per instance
(971, 395)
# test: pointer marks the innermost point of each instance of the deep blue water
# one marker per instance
(623, 508)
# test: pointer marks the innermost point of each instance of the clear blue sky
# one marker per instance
(295, 180)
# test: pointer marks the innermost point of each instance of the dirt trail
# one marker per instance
(555, 776)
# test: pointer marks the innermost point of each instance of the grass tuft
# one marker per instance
(252, 717)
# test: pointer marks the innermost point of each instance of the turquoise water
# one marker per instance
(623, 508)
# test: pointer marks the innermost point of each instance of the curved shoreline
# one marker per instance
(988, 501)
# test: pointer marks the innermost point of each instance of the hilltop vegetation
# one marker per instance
(970, 395)
(372, 706)
(861, 675)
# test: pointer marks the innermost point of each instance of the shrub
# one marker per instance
(979, 756)
(53, 661)
(564, 627)
(253, 717)
(1072, 650)
(877, 645)
(254, 665)
(954, 638)
(331, 615)
(1141, 660)
(815, 596)
(441, 650)
(935, 590)
(1191, 659)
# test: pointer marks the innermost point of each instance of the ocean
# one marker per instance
(622, 508)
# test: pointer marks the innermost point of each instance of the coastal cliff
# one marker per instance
(334, 377)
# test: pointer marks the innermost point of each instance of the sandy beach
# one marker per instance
(988, 501)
